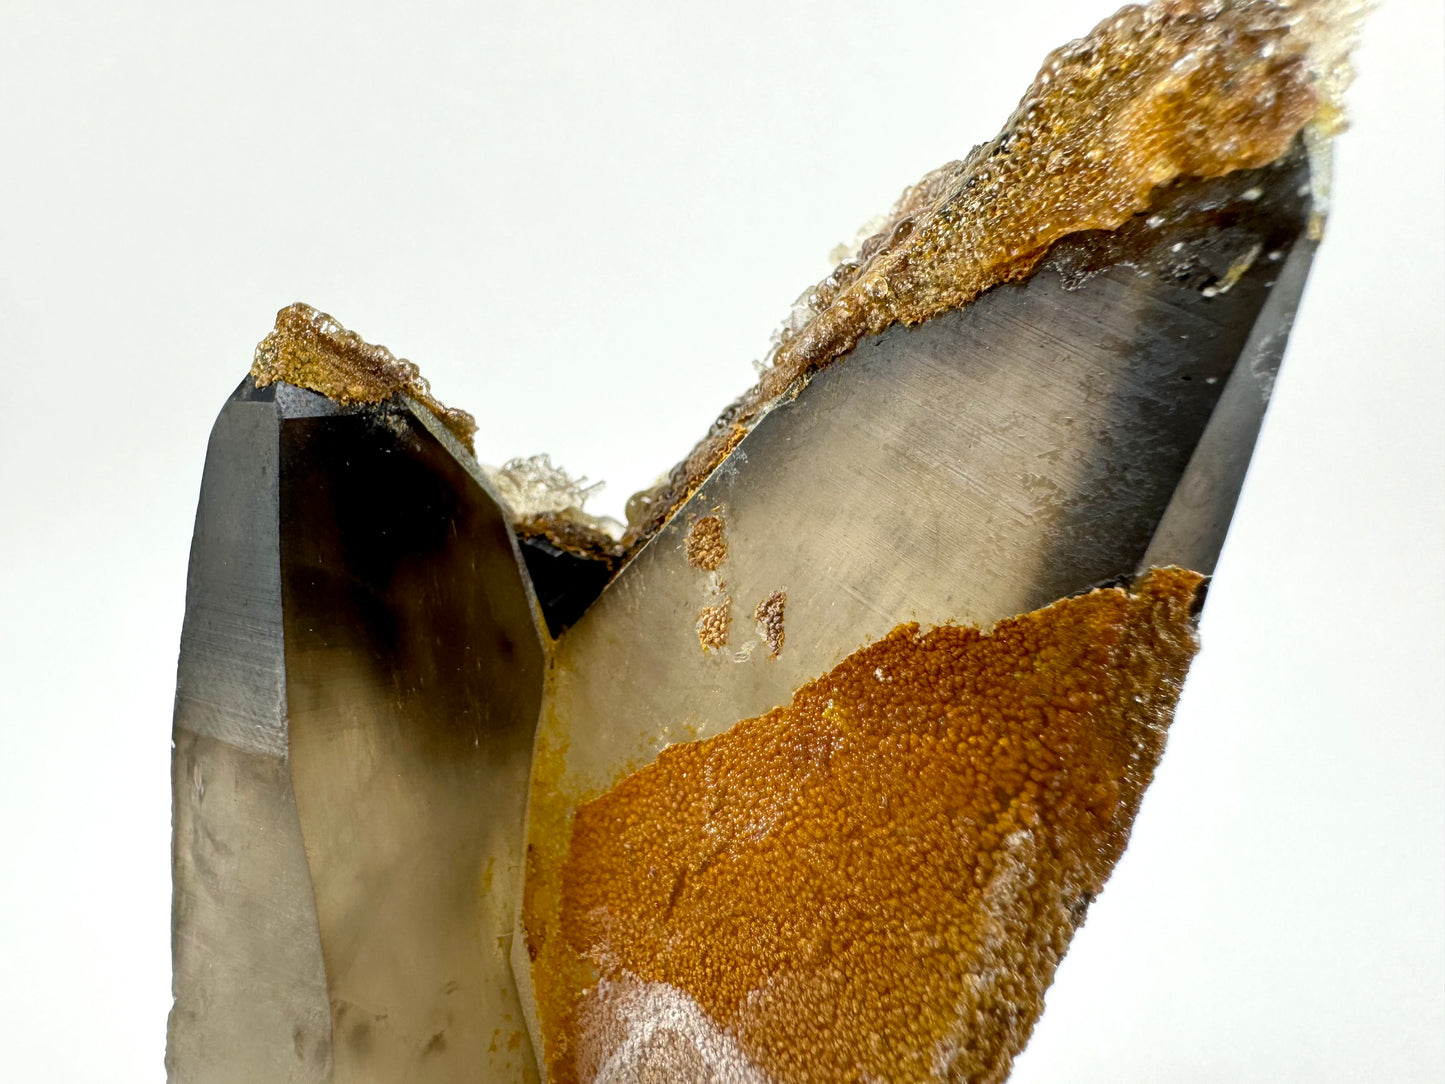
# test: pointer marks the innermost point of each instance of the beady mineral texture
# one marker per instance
(810, 772)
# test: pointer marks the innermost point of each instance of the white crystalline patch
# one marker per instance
(636, 1032)
(533, 486)
(1005, 907)
(848, 250)
(1332, 29)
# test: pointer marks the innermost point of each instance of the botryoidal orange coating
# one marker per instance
(876, 882)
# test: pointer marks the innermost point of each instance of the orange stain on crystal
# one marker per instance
(878, 880)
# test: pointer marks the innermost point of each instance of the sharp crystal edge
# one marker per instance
(358, 687)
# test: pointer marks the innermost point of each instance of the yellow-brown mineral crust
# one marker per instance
(706, 545)
(713, 623)
(877, 881)
(1178, 89)
(311, 350)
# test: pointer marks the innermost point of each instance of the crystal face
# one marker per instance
(359, 682)
(812, 771)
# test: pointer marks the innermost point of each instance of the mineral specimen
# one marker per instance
(1080, 428)
(1044, 374)
(825, 757)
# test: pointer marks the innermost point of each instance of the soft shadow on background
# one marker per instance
(584, 222)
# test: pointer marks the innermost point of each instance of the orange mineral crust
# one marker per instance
(313, 351)
(1155, 94)
(877, 881)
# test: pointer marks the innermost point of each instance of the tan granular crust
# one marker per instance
(311, 350)
(878, 881)
(769, 616)
(1177, 89)
(706, 544)
(713, 624)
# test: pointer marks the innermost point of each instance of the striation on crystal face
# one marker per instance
(821, 763)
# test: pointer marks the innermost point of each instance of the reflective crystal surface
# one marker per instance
(359, 679)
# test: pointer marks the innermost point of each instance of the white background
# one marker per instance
(584, 221)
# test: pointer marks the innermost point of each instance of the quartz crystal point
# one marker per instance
(825, 760)
(830, 773)
(734, 907)
(358, 687)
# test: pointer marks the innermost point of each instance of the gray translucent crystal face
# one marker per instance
(359, 681)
